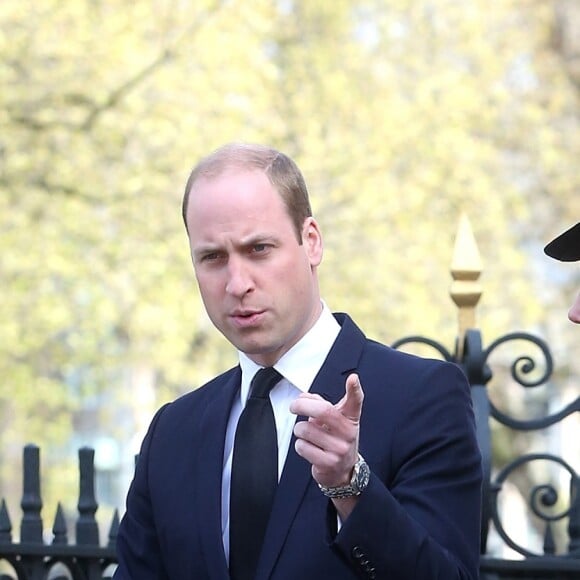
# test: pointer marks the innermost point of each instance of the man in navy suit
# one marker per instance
(378, 466)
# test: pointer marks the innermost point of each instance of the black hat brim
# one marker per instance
(566, 247)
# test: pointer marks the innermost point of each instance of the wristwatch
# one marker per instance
(358, 482)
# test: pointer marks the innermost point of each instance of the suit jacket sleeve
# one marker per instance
(419, 517)
(138, 549)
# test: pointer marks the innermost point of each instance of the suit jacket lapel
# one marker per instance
(343, 358)
(296, 477)
(213, 427)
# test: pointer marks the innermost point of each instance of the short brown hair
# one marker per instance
(282, 172)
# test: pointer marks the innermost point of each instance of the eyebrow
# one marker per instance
(257, 239)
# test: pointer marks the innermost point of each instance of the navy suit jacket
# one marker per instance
(419, 517)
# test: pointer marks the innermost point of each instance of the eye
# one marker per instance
(210, 257)
(261, 249)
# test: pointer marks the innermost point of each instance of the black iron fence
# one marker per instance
(33, 559)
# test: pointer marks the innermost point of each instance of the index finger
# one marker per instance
(309, 405)
(351, 404)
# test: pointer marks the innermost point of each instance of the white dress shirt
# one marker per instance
(298, 367)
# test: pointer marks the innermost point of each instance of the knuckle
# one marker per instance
(328, 414)
(343, 448)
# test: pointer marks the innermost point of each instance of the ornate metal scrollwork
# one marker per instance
(541, 498)
(437, 346)
(524, 365)
(521, 372)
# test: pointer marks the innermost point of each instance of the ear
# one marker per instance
(312, 241)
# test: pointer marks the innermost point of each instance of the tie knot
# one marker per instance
(263, 382)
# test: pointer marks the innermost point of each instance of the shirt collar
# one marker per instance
(301, 363)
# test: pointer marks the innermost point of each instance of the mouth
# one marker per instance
(246, 318)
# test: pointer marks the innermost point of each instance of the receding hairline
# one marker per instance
(232, 157)
(280, 170)
(203, 178)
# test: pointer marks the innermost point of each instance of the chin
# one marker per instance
(265, 356)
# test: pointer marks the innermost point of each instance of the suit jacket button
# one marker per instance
(357, 553)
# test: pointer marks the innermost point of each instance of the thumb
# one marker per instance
(351, 404)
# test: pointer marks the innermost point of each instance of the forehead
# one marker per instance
(234, 197)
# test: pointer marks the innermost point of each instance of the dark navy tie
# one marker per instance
(254, 476)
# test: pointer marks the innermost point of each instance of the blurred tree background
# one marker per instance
(402, 114)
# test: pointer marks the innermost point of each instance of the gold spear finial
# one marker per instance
(466, 268)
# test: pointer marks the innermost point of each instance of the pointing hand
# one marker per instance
(329, 438)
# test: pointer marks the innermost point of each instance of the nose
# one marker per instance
(574, 312)
(239, 281)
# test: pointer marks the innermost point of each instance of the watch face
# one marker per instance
(362, 475)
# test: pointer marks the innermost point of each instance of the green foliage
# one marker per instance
(402, 114)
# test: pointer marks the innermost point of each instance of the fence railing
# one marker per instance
(33, 559)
